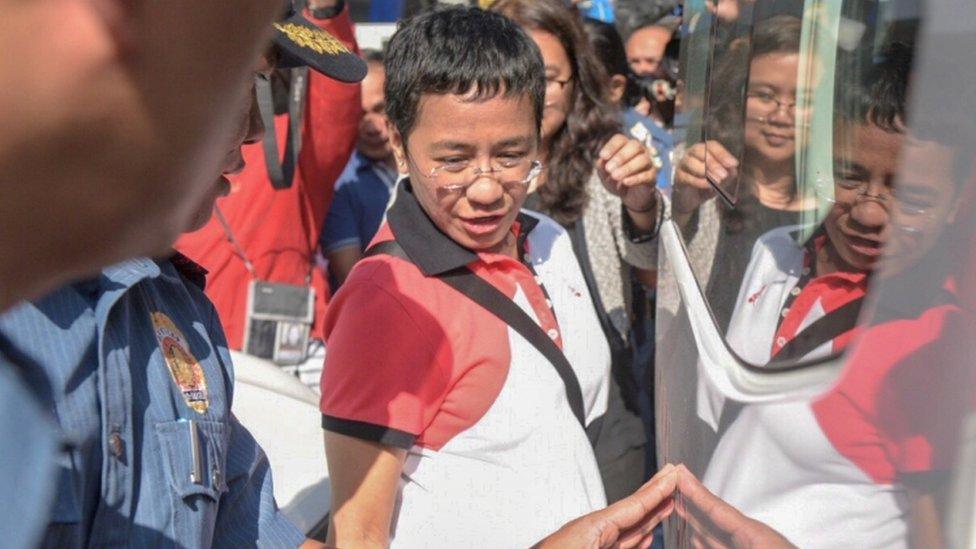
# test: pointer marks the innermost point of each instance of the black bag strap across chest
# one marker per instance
(494, 301)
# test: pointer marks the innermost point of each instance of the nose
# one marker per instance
(486, 192)
(782, 115)
(642, 67)
(870, 211)
(374, 124)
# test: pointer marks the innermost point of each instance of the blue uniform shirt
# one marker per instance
(141, 387)
(639, 126)
(28, 468)
(361, 196)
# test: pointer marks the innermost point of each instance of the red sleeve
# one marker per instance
(927, 396)
(899, 408)
(332, 116)
(383, 380)
(280, 229)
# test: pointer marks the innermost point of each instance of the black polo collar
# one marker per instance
(427, 246)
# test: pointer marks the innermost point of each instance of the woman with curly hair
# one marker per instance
(611, 217)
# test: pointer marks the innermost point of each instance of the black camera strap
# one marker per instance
(483, 293)
(282, 173)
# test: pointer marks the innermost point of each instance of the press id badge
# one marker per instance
(279, 321)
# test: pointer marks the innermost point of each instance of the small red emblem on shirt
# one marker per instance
(752, 299)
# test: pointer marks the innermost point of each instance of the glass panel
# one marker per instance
(737, 177)
(884, 151)
(755, 186)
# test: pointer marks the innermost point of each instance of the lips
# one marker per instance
(482, 225)
(778, 139)
(867, 247)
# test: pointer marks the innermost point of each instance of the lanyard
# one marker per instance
(281, 174)
(234, 242)
(239, 249)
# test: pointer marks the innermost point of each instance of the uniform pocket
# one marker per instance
(196, 475)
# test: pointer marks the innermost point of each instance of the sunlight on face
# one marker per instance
(454, 129)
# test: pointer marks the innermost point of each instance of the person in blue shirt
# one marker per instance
(102, 104)
(140, 383)
(364, 188)
(601, 10)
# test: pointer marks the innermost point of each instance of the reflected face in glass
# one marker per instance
(454, 141)
(771, 106)
(865, 166)
(559, 82)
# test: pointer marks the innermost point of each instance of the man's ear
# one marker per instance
(618, 86)
(399, 148)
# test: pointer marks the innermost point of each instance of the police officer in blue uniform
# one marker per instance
(141, 385)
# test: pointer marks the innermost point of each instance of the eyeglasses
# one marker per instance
(904, 206)
(454, 178)
(770, 103)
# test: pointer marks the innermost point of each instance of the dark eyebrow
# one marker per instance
(514, 142)
(767, 86)
(451, 145)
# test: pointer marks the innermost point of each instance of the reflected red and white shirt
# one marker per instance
(496, 457)
(825, 474)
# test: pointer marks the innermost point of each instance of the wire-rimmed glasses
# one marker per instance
(770, 103)
(906, 208)
(454, 178)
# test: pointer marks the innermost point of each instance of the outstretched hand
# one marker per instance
(627, 523)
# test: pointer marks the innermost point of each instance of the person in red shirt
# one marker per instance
(276, 230)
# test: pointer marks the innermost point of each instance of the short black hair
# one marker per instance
(460, 50)
(881, 96)
(608, 45)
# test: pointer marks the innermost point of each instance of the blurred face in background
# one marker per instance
(374, 141)
(645, 50)
(769, 133)
(560, 82)
(104, 105)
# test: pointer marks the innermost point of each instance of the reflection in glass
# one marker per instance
(747, 153)
(866, 461)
